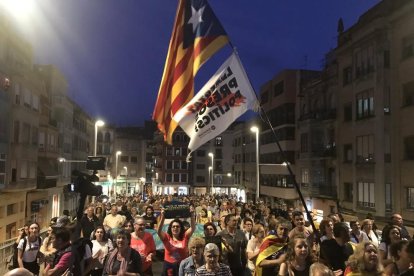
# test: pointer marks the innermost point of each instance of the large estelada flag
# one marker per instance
(224, 98)
(196, 36)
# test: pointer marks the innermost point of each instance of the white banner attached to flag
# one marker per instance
(224, 98)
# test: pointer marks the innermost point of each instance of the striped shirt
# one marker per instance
(224, 270)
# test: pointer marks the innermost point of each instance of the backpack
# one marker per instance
(13, 263)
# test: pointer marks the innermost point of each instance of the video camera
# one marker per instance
(83, 184)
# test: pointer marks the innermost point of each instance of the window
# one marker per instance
(36, 102)
(408, 94)
(387, 100)
(27, 97)
(17, 93)
(183, 178)
(200, 166)
(304, 142)
(2, 169)
(168, 177)
(348, 112)
(365, 104)
(177, 151)
(365, 148)
(278, 89)
(264, 98)
(169, 164)
(410, 198)
(305, 176)
(11, 231)
(409, 148)
(388, 197)
(348, 153)
(16, 134)
(348, 192)
(183, 165)
(200, 179)
(12, 209)
(366, 194)
(407, 47)
(176, 165)
(107, 137)
(364, 61)
(218, 154)
(35, 136)
(201, 153)
(347, 75)
(176, 177)
(169, 151)
(134, 159)
(387, 148)
(124, 158)
(219, 141)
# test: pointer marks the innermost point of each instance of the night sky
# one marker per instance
(112, 52)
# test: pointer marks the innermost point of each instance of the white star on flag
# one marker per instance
(196, 17)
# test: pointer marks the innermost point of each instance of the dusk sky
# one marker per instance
(112, 52)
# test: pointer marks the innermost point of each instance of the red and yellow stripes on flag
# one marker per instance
(177, 84)
(270, 245)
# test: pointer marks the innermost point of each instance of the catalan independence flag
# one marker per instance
(196, 36)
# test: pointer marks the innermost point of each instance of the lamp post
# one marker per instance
(98, 123)
(118, 153)
(256, 130)
(212, 171)
(126, 179)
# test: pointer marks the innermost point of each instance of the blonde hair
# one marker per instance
(320, 269)
(356, 261)
(196, 241)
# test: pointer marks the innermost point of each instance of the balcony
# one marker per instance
(319, 115)
(323, 190)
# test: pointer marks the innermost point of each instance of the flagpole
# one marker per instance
(282, 152)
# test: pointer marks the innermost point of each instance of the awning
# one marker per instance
(47, 167)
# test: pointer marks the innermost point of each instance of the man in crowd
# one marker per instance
(357, 236)
(113, 220)
(149, 217)
(236, 239)
(89, 222)
(300, 228)
(144, 244)
(396, 219)
(335, 252)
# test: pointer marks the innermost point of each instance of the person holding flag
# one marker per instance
(273, 248)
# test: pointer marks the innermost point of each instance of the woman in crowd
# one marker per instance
(123, 260)
(326, 229)
(134, 212)
(29, 250)
(189, 265)
(212, 265)
(367, 228)
(203, 218)
(175, 242)
(210, 229)
(390, 236)
(100, 249)
(129, 226)
(365, 261)
(99, 214)
(403, 254)
(299, 258)
(47, 248)
(253, 246)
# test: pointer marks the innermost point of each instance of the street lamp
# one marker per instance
(256, 130)
(98, 123)
(126, 179)
(118, 153)
(212, 170)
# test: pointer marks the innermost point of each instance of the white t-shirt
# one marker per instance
(31, 250)
(105, 247)
(252, 247)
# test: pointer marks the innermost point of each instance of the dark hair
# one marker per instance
(205, 211)
(323, 224)
(212, 225)
(386, 233)
(352, 223)
(296, 214)
(125, 233)
(247, 219)
(395, 247)
(227, 218)
(182, 231)
(61, 233)
(339, 228)
(104, 237)
(149, 207)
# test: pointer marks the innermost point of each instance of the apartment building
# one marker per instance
(375, 108)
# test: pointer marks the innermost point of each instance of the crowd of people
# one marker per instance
(113, 238)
